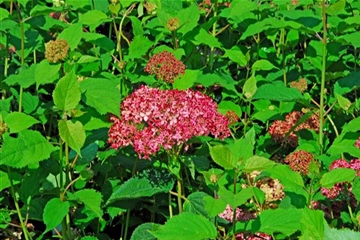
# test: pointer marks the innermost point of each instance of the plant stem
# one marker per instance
(323, 71)
(211, 57)
(234, 210)
(170, 207)
(179, 186)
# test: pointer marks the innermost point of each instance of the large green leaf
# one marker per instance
(262, 64)
(30, 147)
(223, 156)
(46, 72)
(139, 47)
(91, 199)
(277, 91)
(188, 18)
(25, 78)
(187, 80)
(250, 87)
(312, 224)
(336, 176)
(286, 221)
(145, 186)
(18, 121)
(203, 37)
(102, 94)
(348, 83)
(235, 200)
(143, 231)
(72, 133)
(195, 203)
(67, 92)
(54, 212)
(225, 106)
(214, 206)
(186, 226)
(72, 35)
(287, 177)
(236, 56)
(93, 18)
(340, 234)
(258, 163)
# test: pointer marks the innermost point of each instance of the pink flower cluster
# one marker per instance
(241, 215)
(357, 143)
(256, 236)
(338, 187)
(165, 66)
(152, 118)
(299, 161)
(279, 129)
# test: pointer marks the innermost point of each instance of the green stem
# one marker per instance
(282, 46)
(234, 210)
(179, 192)
(170, 206)
(211, 57)
(23, 226)
(174, 40)
(22, 56)
(323, 71)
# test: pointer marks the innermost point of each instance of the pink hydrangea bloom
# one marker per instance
(357, 143)
(152, 119)
(241, 215)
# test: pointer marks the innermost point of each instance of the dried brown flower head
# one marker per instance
(57, 50)
(301, 85)
(299, 161)
(173, 24)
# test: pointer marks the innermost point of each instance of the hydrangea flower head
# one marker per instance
(57, 50)
(152, 119)
(299, 161)
(165, 66)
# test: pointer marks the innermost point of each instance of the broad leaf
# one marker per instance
(223, 156)
(250, 87)
(336, 176)
(187, 80)
(196, 204)
(262, 65)
(25, 78)
(67, 92)
(72, 133)
(287, 177)
(139, 47)
(277, 91)
(54, 212)
(235, 200)
(312, 224)
(30, 147)
(46, 72)
(143, 231)
(91, 199)
(18, 121)
(214, 206)
(72, 35)
(340, 234)
(258, 163)
(186, 226)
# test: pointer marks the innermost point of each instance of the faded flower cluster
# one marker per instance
(338, 187)
(152, 119)
(57, 50)
(280, 129)
(232, 117)
(165, 66)
(299, 161)
(240, 215)
(301, 85)
(255, 236)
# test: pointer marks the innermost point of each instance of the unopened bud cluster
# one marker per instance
(57, 50)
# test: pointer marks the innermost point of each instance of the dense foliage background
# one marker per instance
(164, 119)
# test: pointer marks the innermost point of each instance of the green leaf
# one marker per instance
(72, 35)
(214, 206)
(46, 72)
(336, 8)
(188, 18)
(30, 147)
(242, 9)
(4, 14)
(336, 176)
(196, 204)
(25, 78)
(235, 200)
(186, 226)
(277, 91)
(203, 37)
(67, 92)
(348, 83)
(91, 199)
(258, 163)
(89, 238)
(93, 18)
(139, 47)
(350, 39)
(236, 56)
(225, 106)
(262, 64)
(143, 231)
(18, 121)
(287, 221)
(352, 126)
(287, 177)
(187, 80)
(102, 94)
(250, 87)
(242, 149)
(136, 188)
(312, 224)
(223, 156)
(54, 212)
(340, 234)
(73, 134)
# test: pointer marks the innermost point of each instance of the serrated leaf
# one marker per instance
(206, 38)
(287, 221)
(67, 92)
(336, 8)
(286, 176)
(30, 147)
(93, 17)
(187, 80)
(258, 163)
(18, 121)
(236, 56)
(312, 224)
(250, 87)
(72, 35)
(72, 133)
(102, 94)
(339, 234)
(3, 14)
(54, 212)
(223, 156)
(188, 18)
(186, 226)
(336, 176)
(139, 47)
(344, 103)
(196, 204)
(143, 231)
(277, 91)
(214, 206)
(235, 200)
(46, 72)
(263, 64)
(225, 106)
(136, 188)
(25, 78)
(91, 199)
